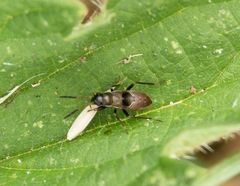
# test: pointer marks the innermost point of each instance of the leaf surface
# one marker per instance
(183, 43)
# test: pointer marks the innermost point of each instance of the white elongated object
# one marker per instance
(82, 121)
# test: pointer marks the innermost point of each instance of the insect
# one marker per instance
(117, 99)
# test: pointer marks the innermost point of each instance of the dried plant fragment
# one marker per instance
(94, 7)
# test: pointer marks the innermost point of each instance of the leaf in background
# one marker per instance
(184, 43)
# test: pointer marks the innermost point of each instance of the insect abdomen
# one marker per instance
(140, 100)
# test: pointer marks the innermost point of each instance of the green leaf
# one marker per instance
(45, 53)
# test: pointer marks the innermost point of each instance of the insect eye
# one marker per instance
(99, 100)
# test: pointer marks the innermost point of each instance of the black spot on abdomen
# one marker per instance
(126, 99)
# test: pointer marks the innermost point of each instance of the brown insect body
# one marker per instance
(132, 100)
(127, 99)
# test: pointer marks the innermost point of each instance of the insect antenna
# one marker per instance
(144, 83)
(71, 97)
(146, 118)
(75, 97)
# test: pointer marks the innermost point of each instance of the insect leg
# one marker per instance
(146, 118)
(116, 115)
(114, 87)
(71, 113)
(101, 108)
(144, 83)
(125, 112)
(139, 82)
(130, 86)
(97, 109)
(121, 122)
(138, 117)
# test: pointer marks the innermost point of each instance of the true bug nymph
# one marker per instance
(125, 100)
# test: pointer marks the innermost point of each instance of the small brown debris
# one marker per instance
(93, 8)
(83, 59)
(192, 90)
